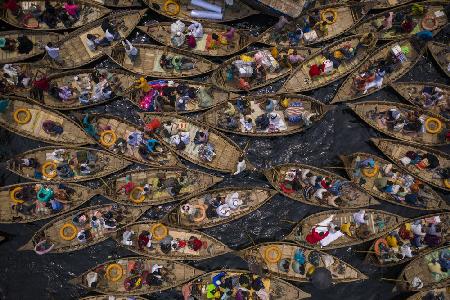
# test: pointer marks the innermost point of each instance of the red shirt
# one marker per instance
(11, 4)
(314, 237)
(42, 84)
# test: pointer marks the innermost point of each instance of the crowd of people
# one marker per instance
(168, 96)
(314, 187)
(411, 239)
(152, 241)
(213, 207)
(432, 97)
(330, 229)
(189, 138)
(271, 114)
(134, 142)
(415, 18)
(374, 75)
(40, 200)
(391, 182)
(139, 275)
(161, 183)
(194, 37)
(227, 286)
(63, 164)
(52, 14)
(22, 44)
(254, 69)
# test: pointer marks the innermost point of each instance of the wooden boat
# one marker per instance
(425, 272)
(119, 3)
(150, 58)
(128, 140)
(112, 276)
(182, 10)
(279, 69)
(282, 178)
(74, 50)
(205, 146)
(413, 93)
(384, 4)
(378, 222)
(27, 71)
(407, 126)
(277, 107)
(421, 196)
(28, 118)
(161, 33)
(166, 185)
(89, 12)
(431, 174)
(439, 293)
(198, 212)
(26, 202)
(76, 82)
(433, 19)
(277, 289)
(39, 39)
(192, 244)
(360, 83)
(304, 77)
(205, 96)
(401, 247)
(68, 233)
(65, 164)
(272, 256)
(441, 55)
(343, 17)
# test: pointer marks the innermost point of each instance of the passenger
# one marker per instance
(223, 211)
(25, 44)
(52, 128)
(145, 240)
(127, 237)
(196, 29)
(194, 243)
(72, 9)
(360, 217)
(7, 44)
(53, 53)
(84, 235)
(92, 41)
(130, 50)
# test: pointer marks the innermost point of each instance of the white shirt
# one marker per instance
(359, 217)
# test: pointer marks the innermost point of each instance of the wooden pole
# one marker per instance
(396, 280)
(288, 221)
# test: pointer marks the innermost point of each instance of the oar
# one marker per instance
(288, 221)
(395, 280)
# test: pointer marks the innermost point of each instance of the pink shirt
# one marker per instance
(71, 9)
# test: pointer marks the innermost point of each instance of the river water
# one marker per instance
(25, 275)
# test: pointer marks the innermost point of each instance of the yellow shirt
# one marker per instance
(392, 241)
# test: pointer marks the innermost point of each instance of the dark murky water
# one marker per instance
(24, 275)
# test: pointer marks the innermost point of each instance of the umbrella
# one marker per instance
(321, 278)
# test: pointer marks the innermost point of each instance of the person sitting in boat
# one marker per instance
(178, 39)
(360, 217)
(418, 233)
(13, 7)
(434, 96)
(387, 22)
(145, 240)
(194, 243)
(7, 44)
(127, 237)
(84, 235)
(433, 235)
(196, 29)
(72, 9)
(25, 45)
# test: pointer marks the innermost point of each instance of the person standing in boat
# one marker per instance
(53, 53)
(131, 51)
